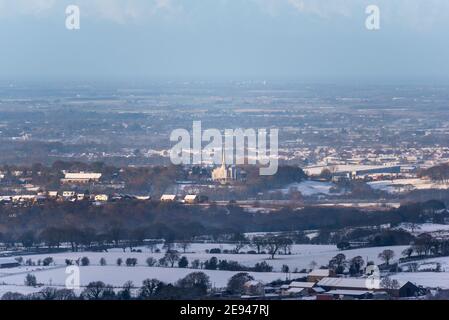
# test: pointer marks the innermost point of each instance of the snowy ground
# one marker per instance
(431, 264)
(23, 269)
(18, 288)
(301, 257)
(405, 185)
(417, 229)
(426, 279)
(310, 188)
(117, 276)
(316, 170)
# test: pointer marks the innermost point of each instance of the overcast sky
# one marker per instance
(304, 39)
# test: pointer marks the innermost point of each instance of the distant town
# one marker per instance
(357, 210)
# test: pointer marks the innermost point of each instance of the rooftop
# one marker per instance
(82, 176)
(356, 283)
(297, 284)
(320, 273)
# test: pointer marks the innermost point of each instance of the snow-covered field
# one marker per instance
(423, 227)
(310, 188)
(18, 288)
(117, 276)
(316, 170)
(22, 269)
(301, 258)
(426, 279)
(405, 185)
(432, 262)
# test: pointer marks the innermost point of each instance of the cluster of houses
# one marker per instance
(323, 284)
(73, 196)
(70, 196)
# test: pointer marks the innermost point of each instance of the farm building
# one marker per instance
(407, 289)
(318, 274)
(81, 178)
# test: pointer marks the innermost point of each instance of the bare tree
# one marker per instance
(240, 242)
(386, 256)
(258, 243)
(152, 246)
(273, 244)
(172, 257)
(168, 246)
(184, 245)
(313, 265)
(407, 252)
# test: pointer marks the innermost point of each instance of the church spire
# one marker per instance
(223, 158)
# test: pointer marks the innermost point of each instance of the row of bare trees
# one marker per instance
(425, 245)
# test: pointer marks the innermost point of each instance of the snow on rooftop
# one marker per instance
(297, 284)
(319, 273)
(82, 176)
(344, 283)
(296, 290)
(169, 197)
(253, 283)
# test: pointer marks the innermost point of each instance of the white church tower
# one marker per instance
(224, 174)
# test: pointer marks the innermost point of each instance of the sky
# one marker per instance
(236, 39)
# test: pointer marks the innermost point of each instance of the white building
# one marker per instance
(224, 174)
(68, 194)
(349, 284)
(81, 178)
(101, 197)
(81, 196)
(169, 198)
(191, 199)
(52, 194)
(143, 198)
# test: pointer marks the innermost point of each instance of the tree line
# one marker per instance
(130, 222)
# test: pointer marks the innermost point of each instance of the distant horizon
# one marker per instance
(267, 80)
